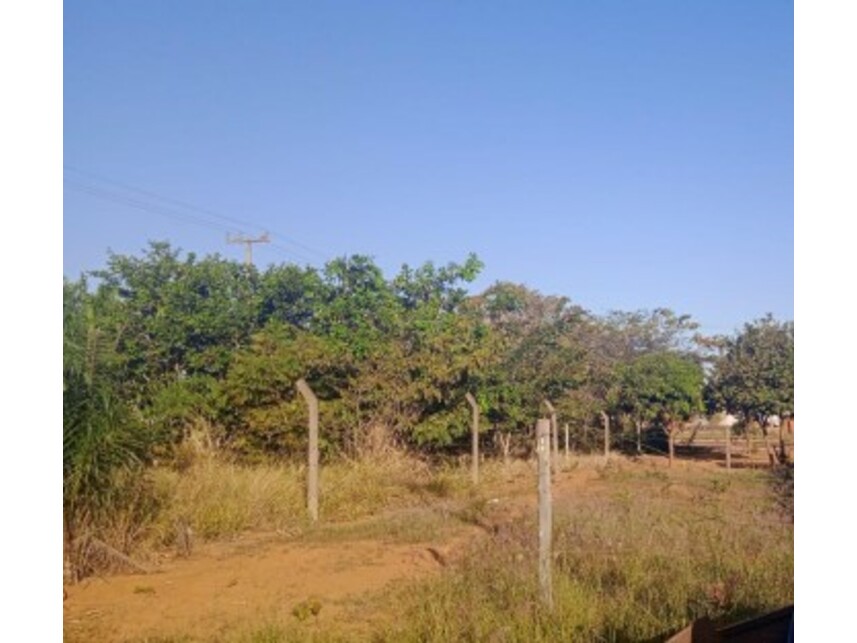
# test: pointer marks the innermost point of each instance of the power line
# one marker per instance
(122, 199)
(155, 208)
(190, 206)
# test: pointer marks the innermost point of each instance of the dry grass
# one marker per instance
(637, 556)
(641, 557)
(219, 499)
(638, 553)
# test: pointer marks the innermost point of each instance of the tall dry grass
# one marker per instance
(645, 555)
(218, 498)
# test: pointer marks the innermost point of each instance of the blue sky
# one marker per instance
(624, 154)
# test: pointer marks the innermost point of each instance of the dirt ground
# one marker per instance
(262, 578)
(258, 577)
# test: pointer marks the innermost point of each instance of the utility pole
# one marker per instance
(248, 245)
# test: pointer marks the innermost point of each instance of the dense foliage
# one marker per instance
(161, 344)
(754, 374)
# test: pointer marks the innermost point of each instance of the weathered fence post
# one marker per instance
(606, 420)
(671, 433)
(566, 441)
(769, 449)
(748, 427)
(728, 428)
(474, 430)
(545, 514)
(554, 434)
(312, 455)
(774, 439)
(725, 421)
(506, 446)
(639, 424)
(787, 427)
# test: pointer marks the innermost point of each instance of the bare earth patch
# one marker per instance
(256, 578)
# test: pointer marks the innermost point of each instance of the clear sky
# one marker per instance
(624, 154)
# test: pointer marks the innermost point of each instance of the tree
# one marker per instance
(440, 286)
(181, 316)
(411, 371)
(289, 294)
(540, 353)
(662, 388)
(612, 343)
(754, 375)
(629, 334)
(265, 416)
(390, 359)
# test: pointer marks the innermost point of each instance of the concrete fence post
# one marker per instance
(554, 434)
(545, 513)
(474, 431)
(605, 419)
(312, 454)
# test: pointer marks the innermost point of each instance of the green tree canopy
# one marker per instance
(754, 375)
(661, 387)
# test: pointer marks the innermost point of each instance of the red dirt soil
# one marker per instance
(256, 578)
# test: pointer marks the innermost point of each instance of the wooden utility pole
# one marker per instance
(312, 455)
(474, 431)
(545, 514)
(248, 245)
(605, 419)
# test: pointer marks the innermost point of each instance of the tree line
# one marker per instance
(156, 344)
